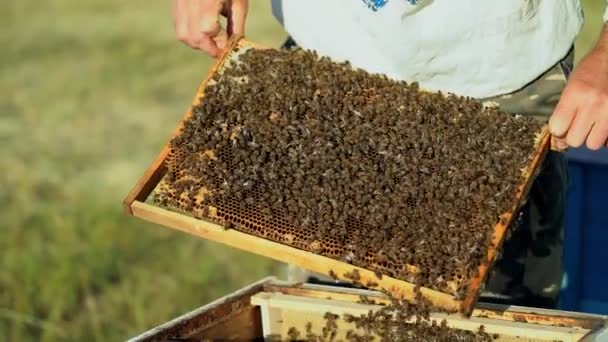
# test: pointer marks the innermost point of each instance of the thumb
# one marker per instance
(562, 117)
(237, 16)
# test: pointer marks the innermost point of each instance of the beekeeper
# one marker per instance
(516, 54)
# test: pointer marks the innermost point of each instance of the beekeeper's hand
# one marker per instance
(581, 116)
(197, 22)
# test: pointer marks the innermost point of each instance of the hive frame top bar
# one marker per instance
(135, 205)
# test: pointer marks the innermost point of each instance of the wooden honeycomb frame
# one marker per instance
(136, 204)
(237, 316)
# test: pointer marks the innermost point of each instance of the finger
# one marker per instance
(196, 14)
(598, 136)
(221, 39)
(209, 45)
(580, 128)
(209, 18)
(180, 20)
(237, 16)
(559, 144)
(209, 27)
(227, 12)
(562, 116)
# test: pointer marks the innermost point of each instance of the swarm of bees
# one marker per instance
(311, 153)
(390, 323)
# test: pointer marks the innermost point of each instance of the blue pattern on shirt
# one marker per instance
(375, 5)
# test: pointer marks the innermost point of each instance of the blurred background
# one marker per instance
(91, 90)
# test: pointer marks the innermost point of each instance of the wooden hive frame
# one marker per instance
(269, 307)
(135, 204)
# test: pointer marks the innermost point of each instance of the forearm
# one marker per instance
(602, 42)
(600, 50)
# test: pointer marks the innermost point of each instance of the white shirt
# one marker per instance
(477, 48)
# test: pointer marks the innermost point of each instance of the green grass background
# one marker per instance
(89, 92)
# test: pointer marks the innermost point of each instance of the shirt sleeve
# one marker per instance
(606, 14)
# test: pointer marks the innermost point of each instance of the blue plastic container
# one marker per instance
(585, 286)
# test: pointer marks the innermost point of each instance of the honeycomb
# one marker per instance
(413, 182)
(233, 214)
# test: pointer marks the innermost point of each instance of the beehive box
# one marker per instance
(280, 241)
(269, 308)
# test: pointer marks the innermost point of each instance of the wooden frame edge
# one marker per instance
(241, 295)
(493, 311)
(473, 290)
(317, 263)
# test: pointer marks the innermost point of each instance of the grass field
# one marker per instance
(90, 92)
